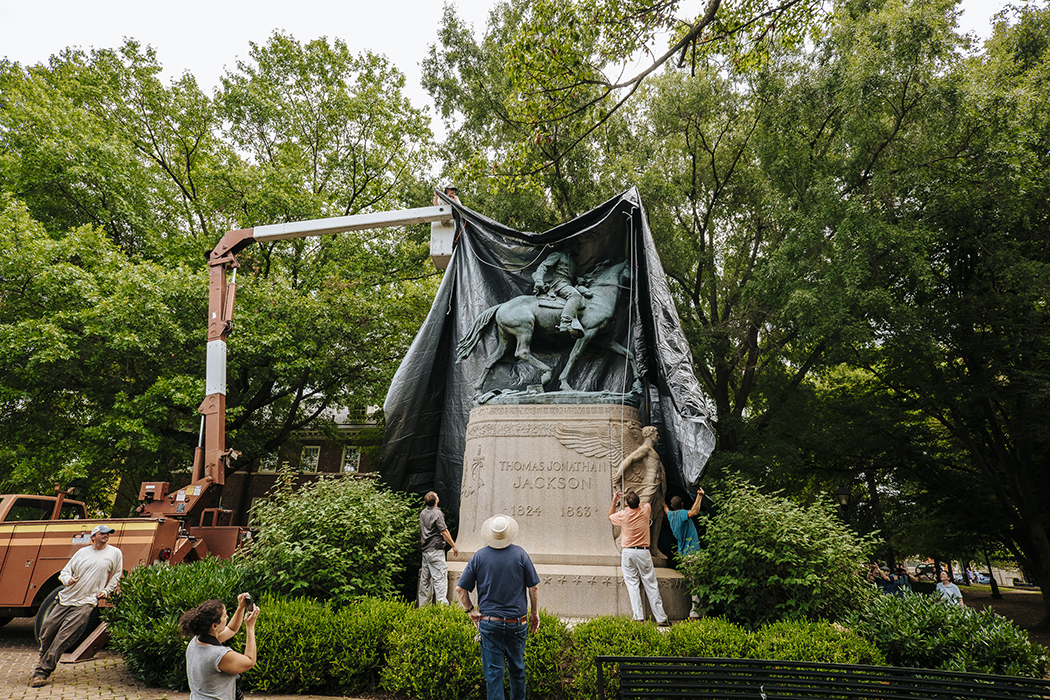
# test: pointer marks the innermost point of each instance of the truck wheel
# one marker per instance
(5, 620)
(87, 628)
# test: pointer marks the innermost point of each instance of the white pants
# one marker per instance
(637, 565)
(433, 578)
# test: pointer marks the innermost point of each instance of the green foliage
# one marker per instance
(334, 539)
(432, 655)
(813, 640)
(925, 632)
(366, 626)
(709, 637)
(144, 622)
(298, 642)
(608, 636)
(547, 658)
(309, 647)
(767, 559)
(112, 183)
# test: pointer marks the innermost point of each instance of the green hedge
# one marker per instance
(144, 623)
(609, 636)
(432, 655)
(817, 641)
(306, 646)
(710, 637)
(925, 632)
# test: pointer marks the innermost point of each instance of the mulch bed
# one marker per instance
(1025, 608)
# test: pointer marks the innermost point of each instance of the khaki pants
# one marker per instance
(433, 578)
(57, 631)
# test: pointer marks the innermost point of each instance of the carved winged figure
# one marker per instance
(638, 469)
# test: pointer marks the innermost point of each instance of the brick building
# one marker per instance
(353, 452)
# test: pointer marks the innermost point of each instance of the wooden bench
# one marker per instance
(672, 677)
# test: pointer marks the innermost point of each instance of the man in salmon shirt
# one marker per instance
(635, 560)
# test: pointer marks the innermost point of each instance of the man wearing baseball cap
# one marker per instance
(91, 574)
(505, 576)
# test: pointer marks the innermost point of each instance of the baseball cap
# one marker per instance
(104, 529)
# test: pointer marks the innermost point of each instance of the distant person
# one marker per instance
(451, 192)
(684, 531)
(212, 668)
(635, 560)
(948, 590)
(880, 577)
(508, 597)
(902, 580)
(90, 575)
(433, 535)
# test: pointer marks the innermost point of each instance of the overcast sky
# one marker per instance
(205, 37)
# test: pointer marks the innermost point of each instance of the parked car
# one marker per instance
(925, 572)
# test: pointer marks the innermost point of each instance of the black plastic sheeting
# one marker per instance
(430, 398)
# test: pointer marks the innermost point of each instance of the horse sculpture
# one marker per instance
(520, 317)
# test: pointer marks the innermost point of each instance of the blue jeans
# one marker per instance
(501, 640)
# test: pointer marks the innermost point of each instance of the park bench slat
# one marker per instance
(673, 677)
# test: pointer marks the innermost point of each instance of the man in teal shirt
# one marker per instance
(684, 531)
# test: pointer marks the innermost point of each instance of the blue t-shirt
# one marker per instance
(503, 577)
(684, 531)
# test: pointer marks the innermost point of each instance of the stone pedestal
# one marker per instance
(549, 466)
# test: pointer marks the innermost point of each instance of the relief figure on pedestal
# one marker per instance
(642, 471)
(525, 316)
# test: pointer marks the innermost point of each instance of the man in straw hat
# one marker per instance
(503, 573)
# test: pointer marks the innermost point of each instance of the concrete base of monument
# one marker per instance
(550, 465)
(589, 591)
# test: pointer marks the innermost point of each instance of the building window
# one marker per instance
(268, 463)
(351, 463)
(309, 458)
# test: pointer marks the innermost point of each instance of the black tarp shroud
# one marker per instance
(430, 398)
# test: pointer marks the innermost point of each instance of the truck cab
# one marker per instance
(18, 507)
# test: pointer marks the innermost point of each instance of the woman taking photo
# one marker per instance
(211, 667)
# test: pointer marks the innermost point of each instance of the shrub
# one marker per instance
(366, 625)
(767, 559)
(547, 658)
(336, 538)
(432, 655)
(817, 641)
(609, 636)
(709, 637)
(144, 622)
(924, 632)
(298, 641)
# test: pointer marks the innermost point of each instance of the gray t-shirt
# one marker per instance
(431, 525)
(207, 682)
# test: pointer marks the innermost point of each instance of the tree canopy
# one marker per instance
(116, 184)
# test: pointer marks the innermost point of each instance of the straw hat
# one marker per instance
(499, 531)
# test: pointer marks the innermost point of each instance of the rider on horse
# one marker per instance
(564, 270)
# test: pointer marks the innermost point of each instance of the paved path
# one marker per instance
(104, 677)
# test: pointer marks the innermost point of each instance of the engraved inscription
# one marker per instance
(524, 510)
(551, 482)
(554, 466)
(576, 511)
